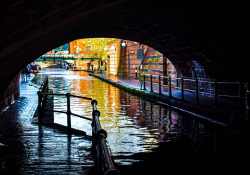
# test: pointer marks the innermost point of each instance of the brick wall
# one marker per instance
(11, 93)
(124, 60)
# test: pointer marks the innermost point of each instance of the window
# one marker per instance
(89, 47)
(89, 39)
(139, 54)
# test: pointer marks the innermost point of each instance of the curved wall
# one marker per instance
(211, 35)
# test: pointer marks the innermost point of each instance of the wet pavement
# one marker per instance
(27, 148)
(145, 137)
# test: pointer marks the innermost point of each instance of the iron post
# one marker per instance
(144, 81)
(197, 91)
(39, 110)
(68, 112)
(247, 102)
(151, 85)
(240, 97)
(215, 94)
(170, 88)
(159, 84)
(182, 89)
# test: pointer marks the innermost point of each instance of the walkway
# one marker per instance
(26, 148)
(227, 106)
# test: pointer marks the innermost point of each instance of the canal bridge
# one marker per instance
(61, 57)
(213, 35)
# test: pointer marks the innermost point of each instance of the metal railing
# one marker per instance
(57, 56)
(76, 68)
(247, 101)
(104, 161)
(196, 90)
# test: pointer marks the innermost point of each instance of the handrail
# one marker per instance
(228, 82)
(176, 78)
(185, 79)
(105, 162)
(197, 89)
(57, 55)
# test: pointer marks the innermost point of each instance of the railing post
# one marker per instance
(151, 85)
(247, 102)
(159, 84)
(39, 110)
(144, 83)
(100, 157)
(170, 87)
(240, 97)
(46, 90)
(140, 80)
(68, 112)
(197, 91)
(94, 114)
(182, 89)
(215, 94)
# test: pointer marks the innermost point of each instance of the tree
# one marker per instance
(99, 44)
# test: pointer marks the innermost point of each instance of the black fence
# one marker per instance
(198, 87)
(104, 162)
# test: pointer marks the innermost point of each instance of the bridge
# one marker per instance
(212, 36)
(61, 57)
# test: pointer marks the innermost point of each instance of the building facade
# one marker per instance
(82, 49)
(126, 57)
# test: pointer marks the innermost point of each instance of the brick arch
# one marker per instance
(210, 34)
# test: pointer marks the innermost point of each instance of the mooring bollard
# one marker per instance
(68, 112)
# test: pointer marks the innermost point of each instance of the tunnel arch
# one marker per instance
(182, 32)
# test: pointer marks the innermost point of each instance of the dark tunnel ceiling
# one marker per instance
(211, 34)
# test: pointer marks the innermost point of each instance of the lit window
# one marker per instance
(89, 39)
(88, 47)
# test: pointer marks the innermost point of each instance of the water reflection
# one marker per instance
(134, 125)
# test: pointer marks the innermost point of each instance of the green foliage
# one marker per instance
(99, 45)
(153, 60)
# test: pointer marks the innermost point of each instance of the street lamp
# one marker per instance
(124, 43)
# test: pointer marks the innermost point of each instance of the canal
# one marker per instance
(147, 137)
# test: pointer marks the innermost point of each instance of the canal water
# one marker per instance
(144, 135)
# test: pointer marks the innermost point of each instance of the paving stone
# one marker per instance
(27, 148)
